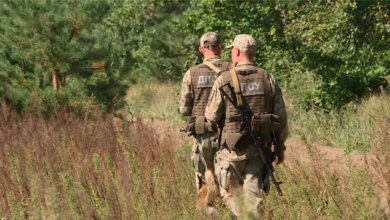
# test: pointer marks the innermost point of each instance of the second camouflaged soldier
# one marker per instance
(239, 169)
(195, 90)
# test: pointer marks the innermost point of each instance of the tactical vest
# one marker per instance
(255, 95)
(202, 79)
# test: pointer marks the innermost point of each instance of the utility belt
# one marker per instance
(264, 124)
(198, 125)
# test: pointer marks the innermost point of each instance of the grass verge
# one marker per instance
(353, 128)
(155, 100)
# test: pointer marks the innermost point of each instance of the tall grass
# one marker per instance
(353, 128)
(68, 167)
(311, 191)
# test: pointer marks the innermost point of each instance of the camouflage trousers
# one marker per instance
(240, 178)
(202, 156)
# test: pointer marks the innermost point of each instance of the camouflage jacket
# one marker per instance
(216, 104)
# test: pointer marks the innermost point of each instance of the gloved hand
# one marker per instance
(280, 156)
(279, 152)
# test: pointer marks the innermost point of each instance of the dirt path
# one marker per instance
(331, 159)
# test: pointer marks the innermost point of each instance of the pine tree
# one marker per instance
(57, 53)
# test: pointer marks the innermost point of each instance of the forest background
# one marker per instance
(53, 54)
(67, 65)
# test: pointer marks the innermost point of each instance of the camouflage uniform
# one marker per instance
(204, 145)
(243, 171)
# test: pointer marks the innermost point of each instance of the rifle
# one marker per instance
(246, 115)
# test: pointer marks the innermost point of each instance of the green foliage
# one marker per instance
(329, 52)
(151, 45)
(342, 43)
(45, 43)
(353, 128)
(261, 19)
(326, 53)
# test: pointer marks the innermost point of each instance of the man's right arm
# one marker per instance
(279, 109)
(186, 99)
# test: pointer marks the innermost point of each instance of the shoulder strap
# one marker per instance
(236, 86)
(225, 65)
(213, 67)
(264, 76)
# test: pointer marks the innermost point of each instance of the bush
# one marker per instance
(338, 45)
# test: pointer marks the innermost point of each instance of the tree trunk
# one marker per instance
(55, 80)
(63, 79)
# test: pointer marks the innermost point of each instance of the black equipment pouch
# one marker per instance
(232, 140)
(265, 123)
(256, 123)
(189, 128)
(198, 125)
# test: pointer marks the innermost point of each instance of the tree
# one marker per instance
(341, 43)
(57, 53)
(328, 53)
(151, 45)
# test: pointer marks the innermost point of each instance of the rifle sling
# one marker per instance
(236, 86)
(213, 67)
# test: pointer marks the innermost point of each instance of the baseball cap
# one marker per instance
(245, 43)
(209, 39)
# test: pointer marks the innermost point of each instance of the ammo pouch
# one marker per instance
(265, 123)
(239, 141)
(198, 125)
(232, 140)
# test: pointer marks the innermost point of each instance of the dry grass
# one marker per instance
(312, 191)
(67, 167)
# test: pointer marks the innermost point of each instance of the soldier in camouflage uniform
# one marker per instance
(195, 90)
(238, 169)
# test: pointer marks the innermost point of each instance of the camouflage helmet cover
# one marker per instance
(209, 39)
(245, 43)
